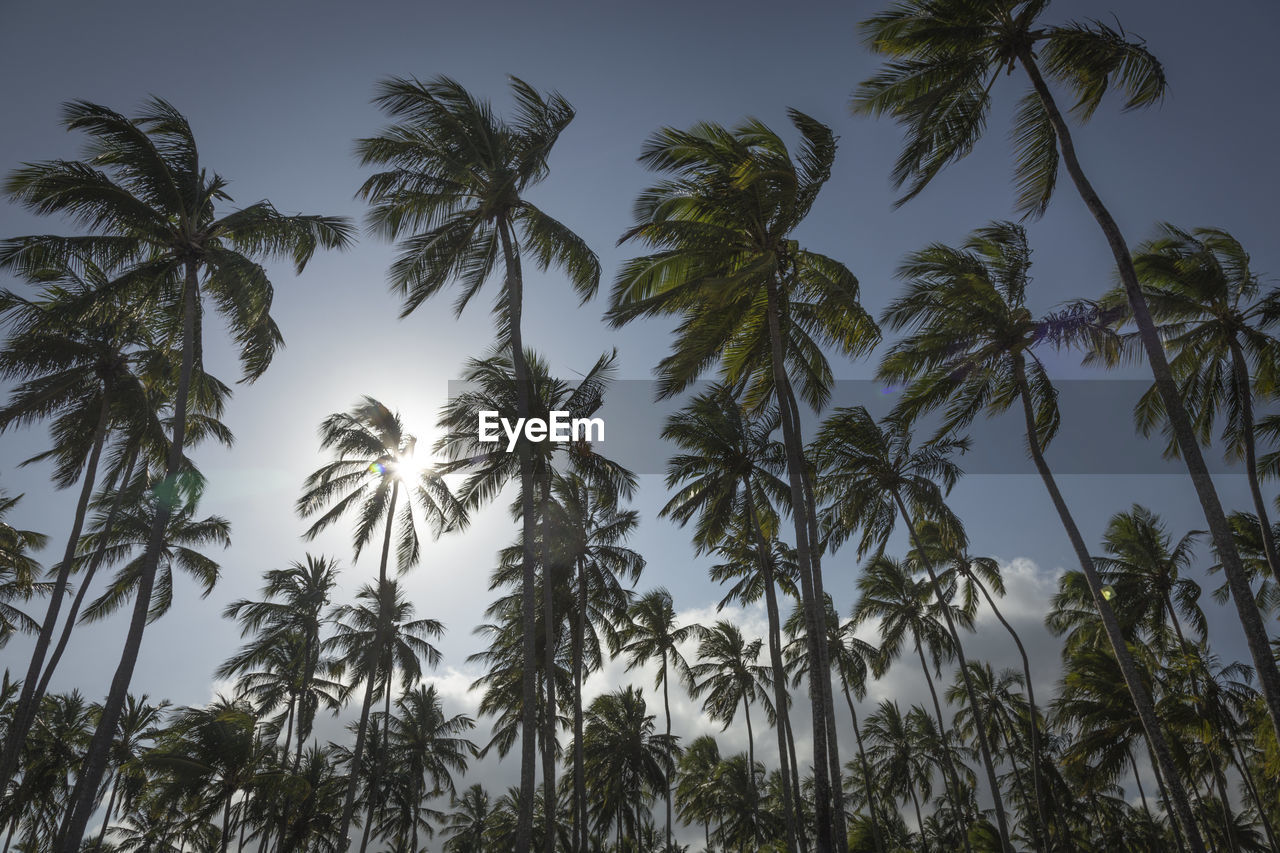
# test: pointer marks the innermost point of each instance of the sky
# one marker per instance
(277, 93)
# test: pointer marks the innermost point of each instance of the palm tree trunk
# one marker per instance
(579, 778)
(1164, 797)
(978, 718)
(379, 765)
(866, 770)
(801, 837)
(226, 825)
(948, 762)
(1128, 669)
(1137, 780)
(529, 685)
(827, 839)
(1237, 578)
(1237, 757)
(111, 804)
(780, 698)
(29, 699)
(549, 665)
(666, 706)
(1240, 369)
(349, 802)
(1033, 713)
(94, 562)
(86, 791)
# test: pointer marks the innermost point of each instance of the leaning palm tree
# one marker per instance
(753, 302)
(944, 57)
(651, 631)
(1215, 319)
(971, 348)
(150, 208)
(871, 476)
(452, 191)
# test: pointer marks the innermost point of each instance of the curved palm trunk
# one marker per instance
(29, 699)
(828, 838)
(666, 706)
(866, 770)
(984, 747)
(780, 698)
(111, 805)
(349, 802)
(529, 684)
(1237, 578)
(1164, 798)
(90, 570)
(948, 762)
(90, 780)
(1240, 370)
(1128, 669)
(1032, 723)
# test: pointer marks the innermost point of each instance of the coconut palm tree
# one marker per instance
(428, 747)
(906, 611)
(944, 57)
(651, 631)
(756, 304)
(452, 191)
(18, 572)
(151, 211)
(468, 821)
(1214, 319)
(871, 476)
(727, 479)
(971, 348)
(627, 763)
(139, 723)
(374, 637)
(283, 662)
(696, 793)
(901, 770)
(588, 532)
(728, 674)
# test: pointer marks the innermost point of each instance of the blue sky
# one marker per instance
(277, 93)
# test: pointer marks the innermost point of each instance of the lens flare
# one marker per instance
(378, 468)
(1108, 592)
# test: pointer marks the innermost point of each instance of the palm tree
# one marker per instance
(696, 794)
(139, 722)
(150, 208)
(901, 770)
(468, 821)
(907, 612)
(871, 476)
(18, 572)
(651, 632)
(945, 56)
(452, 192)
(626, 761)
(428, 747)
(283, 663)
(373, 458)
(727, 478)
(1214, 320)
(971, 348)
(588, 532)
(375, 637)
(751, 300)
(728, 673)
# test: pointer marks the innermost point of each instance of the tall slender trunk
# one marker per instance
(666, 706)
(111, 804)
(751, 763)
(379, 765)
(979, 722)
(1137, 780)
(1237, 578)
(226, 825)
(85, 794)
(29, 699)
(780, 698)
(1236, 755)
(827, 839)
(349, 801)
(866, 771)
(1240, 371)
(801, 836)
(579, 778)
(1032, 713)
(529, 580)
(94, 562)
(1164, 798)
(549, 666)
(1128, 669)
(948, 761)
